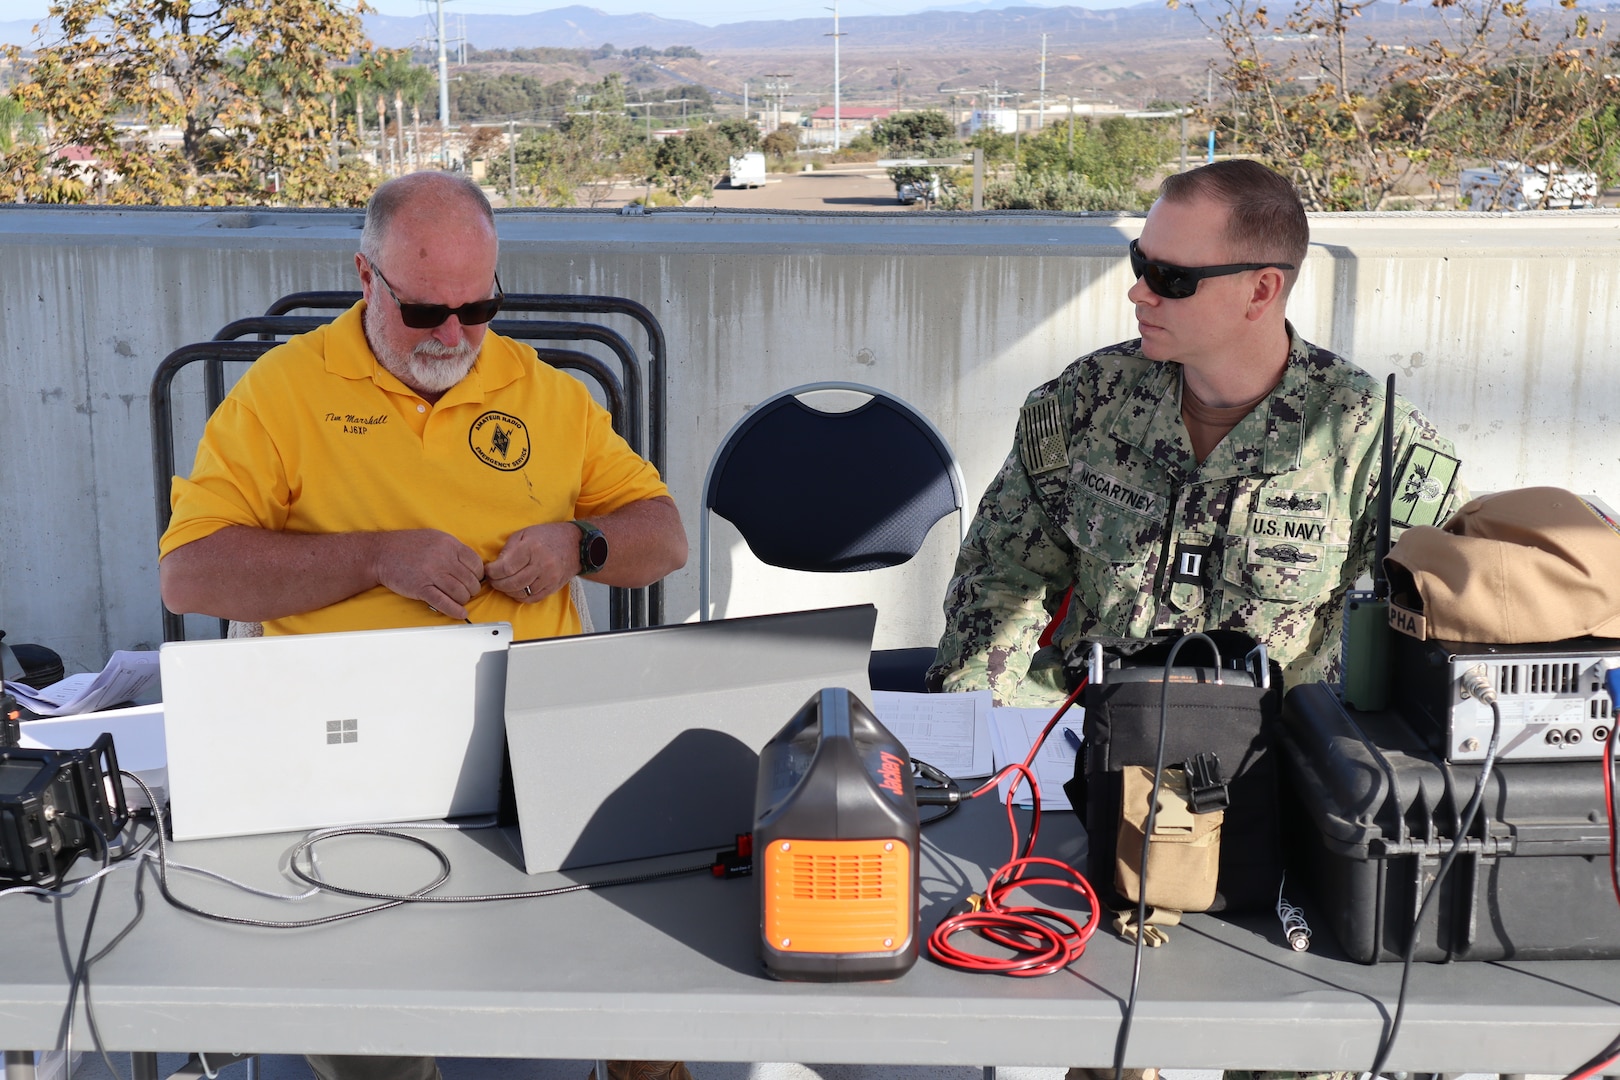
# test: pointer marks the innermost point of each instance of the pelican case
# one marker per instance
(1372, 811)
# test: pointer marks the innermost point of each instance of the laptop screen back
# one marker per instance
(279, 733)
(646, 742)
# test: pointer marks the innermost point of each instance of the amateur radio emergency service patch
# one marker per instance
(501, 441)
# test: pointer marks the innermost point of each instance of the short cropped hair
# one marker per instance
(1266, 220)
(437, 187)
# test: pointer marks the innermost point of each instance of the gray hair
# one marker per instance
(419, 187)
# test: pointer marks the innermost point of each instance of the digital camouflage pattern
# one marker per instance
(1102, 492)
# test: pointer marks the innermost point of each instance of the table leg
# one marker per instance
(19, 1065)
(143, 1065)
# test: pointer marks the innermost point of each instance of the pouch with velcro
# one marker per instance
(1184, 852)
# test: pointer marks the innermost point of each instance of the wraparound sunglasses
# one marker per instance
(428, 316)
(1179, 282)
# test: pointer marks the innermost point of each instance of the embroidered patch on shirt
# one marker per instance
(1116, 491)
(500, 441)
(1192, 564)
(1293, 503)
(1041, 442)
(1422, 486)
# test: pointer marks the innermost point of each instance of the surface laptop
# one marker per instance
(306, 731)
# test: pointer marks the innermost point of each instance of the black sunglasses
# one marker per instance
(428, 316)
(1179, 282)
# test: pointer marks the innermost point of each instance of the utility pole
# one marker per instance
(1042, 112)
(417, 146)
(778, 87)
(838, 119)
(444, 95)
(511, 162)
(399, 118)
(899, 85)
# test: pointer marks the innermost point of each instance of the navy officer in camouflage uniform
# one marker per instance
(1217, 472)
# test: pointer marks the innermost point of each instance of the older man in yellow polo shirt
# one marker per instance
(403, 467)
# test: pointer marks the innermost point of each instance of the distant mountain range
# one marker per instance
(582, 27)
(969, 24)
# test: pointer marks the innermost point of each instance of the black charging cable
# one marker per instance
(941, 789)
(1475, 685)
(1147, 840)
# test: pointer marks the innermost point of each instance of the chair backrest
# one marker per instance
(830, 492)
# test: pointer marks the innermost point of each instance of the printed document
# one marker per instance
(949, 731)
(126, 675)
(1014, 731)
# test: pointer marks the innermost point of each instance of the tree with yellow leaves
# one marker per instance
(189, 102)
(1364, 102)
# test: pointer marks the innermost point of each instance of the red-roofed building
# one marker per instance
(850, 117)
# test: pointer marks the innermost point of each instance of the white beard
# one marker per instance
(430, 368)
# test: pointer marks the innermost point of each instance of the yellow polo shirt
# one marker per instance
(318, 437)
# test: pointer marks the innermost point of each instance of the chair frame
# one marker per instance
(958, 486)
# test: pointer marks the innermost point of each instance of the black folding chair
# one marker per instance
(834, 492)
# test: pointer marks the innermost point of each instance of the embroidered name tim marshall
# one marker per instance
(356, 425)
(1121, 494)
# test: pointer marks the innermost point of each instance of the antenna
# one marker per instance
(1365, 641)
(1385, 495)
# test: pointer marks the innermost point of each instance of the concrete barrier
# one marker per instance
(1506, 331)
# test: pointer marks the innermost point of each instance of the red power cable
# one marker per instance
(1042, 940)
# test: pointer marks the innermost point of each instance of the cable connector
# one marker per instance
(1476, 683)
(735, 861)
(967, 905)
(1206, 791)
(1611, 679)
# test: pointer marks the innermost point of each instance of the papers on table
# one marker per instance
(137, 740)
(126, 675)
(966, 736)
(949, 731)
(1014, 731)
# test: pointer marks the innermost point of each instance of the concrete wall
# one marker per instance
(1505, 331)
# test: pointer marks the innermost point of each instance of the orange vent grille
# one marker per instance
(838, 896)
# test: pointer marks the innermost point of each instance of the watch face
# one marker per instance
(596, 551)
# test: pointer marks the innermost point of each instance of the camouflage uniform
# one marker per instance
(1102, 492)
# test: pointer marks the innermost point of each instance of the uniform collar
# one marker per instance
(1265, 442)
(349, 356)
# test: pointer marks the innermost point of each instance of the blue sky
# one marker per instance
(708, 12)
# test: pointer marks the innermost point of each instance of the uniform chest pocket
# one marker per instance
(1112, 546)
(1288, 571)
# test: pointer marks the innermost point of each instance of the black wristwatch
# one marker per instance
(593, 548)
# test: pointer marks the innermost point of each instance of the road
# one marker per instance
(841, 187)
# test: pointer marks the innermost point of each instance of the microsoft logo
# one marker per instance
(342, 731)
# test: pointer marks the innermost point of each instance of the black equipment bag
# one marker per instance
(1234, 719)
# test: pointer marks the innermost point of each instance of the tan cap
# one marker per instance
(1533, 564)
